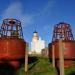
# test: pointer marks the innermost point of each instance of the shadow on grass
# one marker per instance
(33, 61)
(6, 69)
(72, 73)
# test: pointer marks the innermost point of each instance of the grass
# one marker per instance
(38, 66)
(70, 70)
(42, 66)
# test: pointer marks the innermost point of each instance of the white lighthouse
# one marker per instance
(37, 44)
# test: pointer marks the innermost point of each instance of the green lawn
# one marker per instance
(42, 66)
(38, 66)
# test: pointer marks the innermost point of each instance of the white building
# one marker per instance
(37, 44)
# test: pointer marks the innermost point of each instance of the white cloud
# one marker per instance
(15, 10)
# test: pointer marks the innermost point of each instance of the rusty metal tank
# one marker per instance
(63, 30)
(12, 44)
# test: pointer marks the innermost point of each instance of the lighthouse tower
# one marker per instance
(37, 44)
(35, 36)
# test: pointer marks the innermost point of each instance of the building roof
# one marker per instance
(35, 31)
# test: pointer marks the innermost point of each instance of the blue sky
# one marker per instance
(41, 15)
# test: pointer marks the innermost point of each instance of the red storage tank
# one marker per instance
(63, 30)
(12, 44)
(12, 48)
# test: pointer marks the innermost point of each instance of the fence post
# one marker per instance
(53, 55)
(61, 57)
(26, 58)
